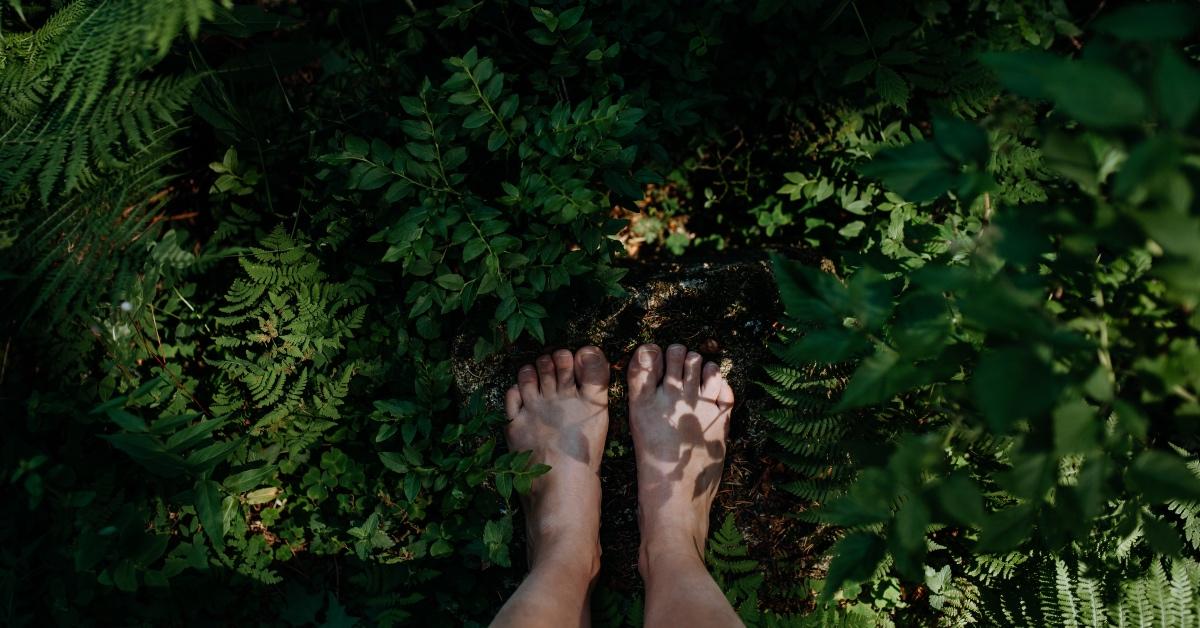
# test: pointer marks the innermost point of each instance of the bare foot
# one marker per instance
(559, 410)
(679, 416)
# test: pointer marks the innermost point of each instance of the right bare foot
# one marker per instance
(679, 417)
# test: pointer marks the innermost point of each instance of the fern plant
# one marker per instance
(283, 329)
(1051, 592)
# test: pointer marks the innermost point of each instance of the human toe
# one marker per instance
(591, 372)
(564, 371)
(692, 364)
(527, 383)
(673, 373)
(645, 371)
(547, 377)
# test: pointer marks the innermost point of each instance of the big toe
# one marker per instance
(591, 373)
(645, 371)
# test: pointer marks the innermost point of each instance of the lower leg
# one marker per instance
(559, 411)
(556, 591)
(680, 591)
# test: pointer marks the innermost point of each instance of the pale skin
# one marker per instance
(679, 417)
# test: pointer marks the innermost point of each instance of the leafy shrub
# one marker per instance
(1045, 347)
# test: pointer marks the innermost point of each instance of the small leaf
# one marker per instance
(450, 281)
(262, 495)
(546, 18)
(476, 119)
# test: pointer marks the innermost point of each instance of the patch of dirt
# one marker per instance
(727, 311)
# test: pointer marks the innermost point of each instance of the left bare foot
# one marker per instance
(559, 410)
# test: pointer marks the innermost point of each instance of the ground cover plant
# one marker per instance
(248, 248)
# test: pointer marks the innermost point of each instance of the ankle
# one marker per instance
(577, 557)
(657, 551)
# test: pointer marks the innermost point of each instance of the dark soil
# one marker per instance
(728, 312)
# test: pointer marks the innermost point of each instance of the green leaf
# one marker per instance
(911, 521)
(961, 141)
(1162, 536)
(496, 537)
(570, 17)
(208, 508)
(923, 325)
(504, 485)
(357, 146)
(827, 346)
(1010, 384)
(808, 294)
(918, 172)
(1096, 94)
(394, 461)
(496, 140)
(450, 281)
(959, 496)
(891, 87)
(1161, 477)
(1023, 72)
(1076, 428)
(476, 119)
(1150, 22)
(879, 378)
(127, 421)
(855, 558)
(1006, 530)
(440, 548)
(545, 17)
(1176, 89)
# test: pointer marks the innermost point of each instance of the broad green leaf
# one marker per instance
(127, 421)
(854, 559)
(357, 146)
(1160, 476)
(879, 378)
(922, 325)
(1176, 89)
(208, 509)
(826, 346)
(911, 521)
(450, 281)
(476, 119)
(1155, 21)
(394, 461)
(1096, 94)
(1012, 383)
(959, 496)
(1076, 428)
(918, 172)
(1162, 536)
(961, 141)
(1025, 72)
(1006, 530)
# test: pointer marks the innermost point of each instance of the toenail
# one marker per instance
(526, 368)
(589, 356)
(646, 357)
(676, 348)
